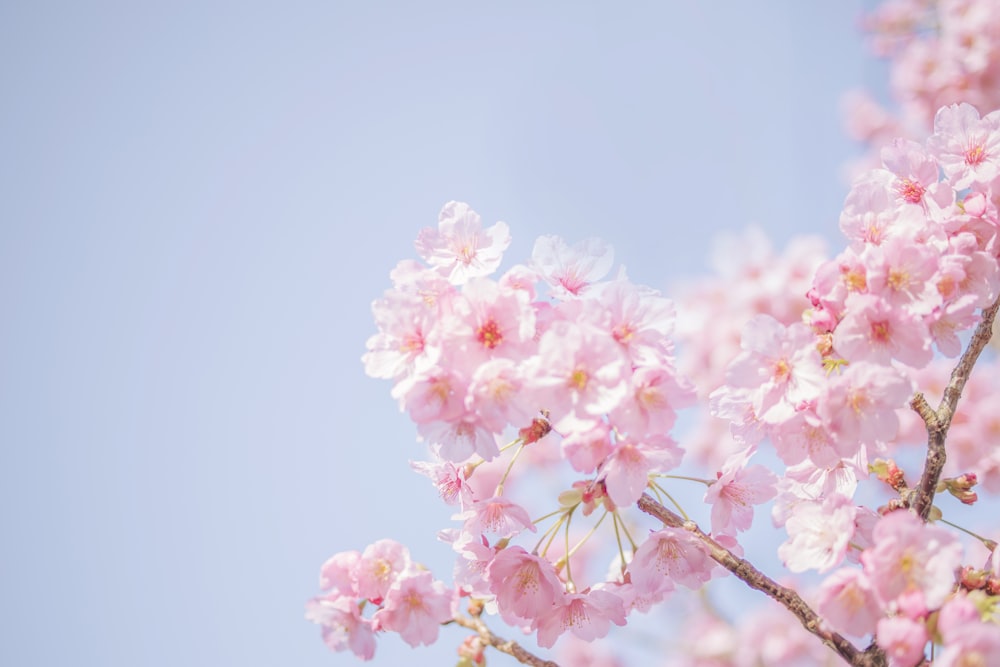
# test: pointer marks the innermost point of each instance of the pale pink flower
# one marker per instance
(342, 625)
(819, 533)
(649, 407)
(586, 615)
(474, 556)
(336, 573)
(406, 340)
(493, 322)
(377, 568)
(902, 639)
(498, 396)
(956, 615)
(526, 586)
(846, 601)
(436, 395)
(459, 439)
(804, 437)
(901, 272)
(415, 606)
(497, 516)
(859, 406)
(738, 488)
(579, 653)
(460, 248)
(586, 449)
(909, 555)
(915, 170)
(978, 645)
(969, 640)
(579, 375)
(640, 320)
(872, 330)
(571, 270)
(670, 556)
(871, 211)
(946, 321)
(448, 479)
(779, 365)
(966, 146)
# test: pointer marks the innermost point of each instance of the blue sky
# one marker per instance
(201, 200)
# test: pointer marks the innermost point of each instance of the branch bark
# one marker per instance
(939, 421)
(509, 647)
(754, 578)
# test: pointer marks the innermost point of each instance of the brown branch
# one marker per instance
(511, 648)
(757, 580)
(938, 422)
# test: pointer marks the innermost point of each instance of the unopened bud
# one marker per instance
(472, 652)
(972, 578)
(538, 429)
(476, 606)
(961, 486)
(887, 471)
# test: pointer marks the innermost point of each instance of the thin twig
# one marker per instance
(511, 648)
(756, 579)
(939, 422)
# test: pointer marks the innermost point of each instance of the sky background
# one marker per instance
(199, 202)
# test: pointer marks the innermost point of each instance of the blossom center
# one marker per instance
(880, 332)
(855, 281)
(490, 335)
(910, 191)
(578, 379)
(898, 279)
(975, 155)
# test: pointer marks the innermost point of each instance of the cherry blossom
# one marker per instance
(460, 248)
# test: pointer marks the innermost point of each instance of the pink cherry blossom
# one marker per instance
(449, 480)
(460, 248)
(779, 365)
(569, 270)
(336, 573)
(579, 375)
(493, 321)
(460, 439)
(586, 449)
(846, 601)
(874, 331)
(377, 568)
(909, 555)
(497, 516)
(668, 557)
(902, 639)
(588, 616)
(415, 606)
(966, 146)
(818, 534)
(626, 470)
(859, 406)
(738, 488)
(654, 393)
(342, 625)
(526, 586)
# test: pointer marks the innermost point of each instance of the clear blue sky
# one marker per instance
(200, 200)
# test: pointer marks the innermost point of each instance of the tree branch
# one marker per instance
(939, 422)
(511, 648)
(756, 579)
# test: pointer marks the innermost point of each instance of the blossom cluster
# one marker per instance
(921, 263)
(562, 364)
(940, 52)
(407, 597)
